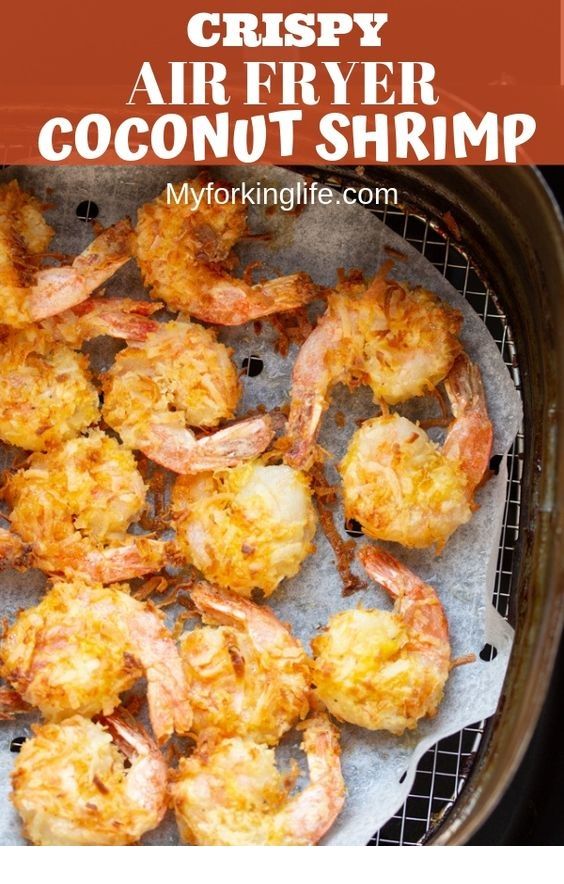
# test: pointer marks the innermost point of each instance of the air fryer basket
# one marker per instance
(496, 234)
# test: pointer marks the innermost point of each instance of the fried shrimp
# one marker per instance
(245, 527)
(233, 794)
(399, 341)
(180, 376)
(247, 675)
(28, 292)
(403, 487)
(183, 252)
(73, 506)
(385, 670)
(85, 644)
(80, 783)
(47, 395)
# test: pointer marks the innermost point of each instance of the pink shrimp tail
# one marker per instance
(470, 438)
(311, 379)
(59, 288)
(141, 556)
(305, 415)
(146, 779)
(128, 735)
(167, 690)
(222, 606)
(121, 318)
(234, 302)
(313, 811)
(417, 603)
(390, 573)
(176, 448)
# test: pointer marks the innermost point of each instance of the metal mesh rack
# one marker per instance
(444, 769)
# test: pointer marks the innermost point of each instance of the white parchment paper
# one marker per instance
(378, 768)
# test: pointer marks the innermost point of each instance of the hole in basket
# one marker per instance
(495, 462)
(17, 744)
(403, 776)
(252, 365)
(87, 211)
(488, 653)
(353, 528)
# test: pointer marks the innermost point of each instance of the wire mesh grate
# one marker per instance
(444, 769)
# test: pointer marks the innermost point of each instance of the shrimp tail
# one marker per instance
(386, 570)
(142, 556)
(417, 603)
(311, 379)
(176, 448)
(128, 735)
(223, 607)
(470, 438)
(167, 691)
(233, 302)
(147, 776)
(121, 318)
(313, 811)
(288, 292)
(59, 288)
(305, 416)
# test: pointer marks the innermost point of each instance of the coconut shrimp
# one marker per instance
(28, 292)
(73, 506)
(403, 487)
(180, 376)
(385, 670)
(232, 794)
(47, 395)
(85, 644)
(245, 527)
(80, 783)
(247, 675)
(399, 341)
(183, 252)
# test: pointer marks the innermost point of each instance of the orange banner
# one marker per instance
(400, 81)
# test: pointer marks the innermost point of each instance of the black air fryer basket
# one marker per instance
(497, 236)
